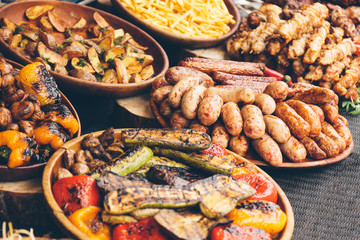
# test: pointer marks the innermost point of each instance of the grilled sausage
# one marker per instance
(312, 149)
(254, 125)
(239, 144)
(219, 135)
(294, 150)
(241, 96)
(331, 113)
(209, 110)
(277, 129)
(268, 149)
(266, 103)
(196, 125)
(329, 131)
(318, 111)
(180, 88)
(191, 100)
(308, 114)
(297, 125)
(174, 74)
(277, 90)
(327, 145)
(177, 120)
(165, 109)
(343, 120)
(159, 82)
(231, 116)
(343, 131)
(316, 95)
(161, 93)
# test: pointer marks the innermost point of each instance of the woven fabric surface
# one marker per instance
(325, 200)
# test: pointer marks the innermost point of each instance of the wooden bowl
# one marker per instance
(189, 42)
(35, 170)
(71, 12)
(49, 178)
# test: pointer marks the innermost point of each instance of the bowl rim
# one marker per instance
(78, 81)
(64, 223)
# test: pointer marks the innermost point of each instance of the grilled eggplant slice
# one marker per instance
(188, 226)
(127, 163)
(203, 161)
(220, 202)
(139, 214)
(116, 219)
(180, 139)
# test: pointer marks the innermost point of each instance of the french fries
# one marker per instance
(196, 18)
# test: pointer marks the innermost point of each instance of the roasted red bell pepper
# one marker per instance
(76, 192)
(357, 51)
(216, 150)
(265, 189)
(146, 228)
(237, 232)
(279, 76)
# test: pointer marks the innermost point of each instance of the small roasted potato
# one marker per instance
(48, 39)
(79, 24)
(70, 52)
(6, 33)
(8, 24)
(122, 74)
(56, 22)
(36, 11)
(49, 55)
(60, 69)
(80, 63)
(95, 61)
(109, 76)
(147, 72)
(15, 40)
(83, 74)
(45, 24)
(31, 48)
(100, 20)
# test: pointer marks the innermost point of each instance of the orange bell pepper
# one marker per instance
(87, 220)
(260, 214)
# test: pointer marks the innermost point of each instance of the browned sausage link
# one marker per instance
(159, 82)
(159, 94)
(293, 150)
(331, 113)
(231, 116)
(239, 144)
(268, 149)
(196, 125)
(256, 88)
(191, 99)
(316, 95)
(236, 95)
(180, 88)
(219, 135)
(207, 65)
(318, 111)
(299, 87)
(313, 150)
(327, 145)
(308, 114)
(265, 102)
(177, 120)
(343, 131)
(227, 78)
(165, 109)
(254, 125)
(175, 74)
(277, 90)
(329, 131)
(297, 125)
(209, 110)
(343, 120)
(277, 128)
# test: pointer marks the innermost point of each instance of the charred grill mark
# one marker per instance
(50, 84)
(262, 206)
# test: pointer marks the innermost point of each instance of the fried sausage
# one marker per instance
(196, 125)
(232, 119)
(344, 120)
(174, 74)
(165, 109)
(241, 96)
(254, 125)
(226, 78)
(265, 102)
(331, 113)
(239, 144)
(312, 149)
(180, 88)
(159, 82)
(277, 90)
(316, 95)
(219, 135)
(209, 110)
(327, 145)
(257, 88)
(318, 111)
(343, 131)
(293, 150)
(159, 94)
(268, 149)
(177, 120)
(329, 131)
(277, 129)
(308, 114)
(191, 99)
(297, 125)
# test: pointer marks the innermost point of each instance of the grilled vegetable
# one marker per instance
(209, 163)
(144, 213)
(127, 199)
(94, 60)
(180, 139)
(49, 55)
(116, 219)
(45, 25)
(237, 232)
(80, 24)
(34, 12)
(56, 22)
(52, 134)
(122, 74)
(220, 202)
(132, 160)
(80, 63)
(191, 226)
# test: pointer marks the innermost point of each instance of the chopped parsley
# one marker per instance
(81, 63)
(19, 28)
(351, 107)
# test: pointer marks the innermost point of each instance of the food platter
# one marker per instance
(70, 12)
(55, 162)
(189, 42)
(26, 172)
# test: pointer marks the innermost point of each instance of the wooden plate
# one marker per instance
(256, 159)
(190, 42)
(35, 170)
(71, 12)
(49, 178)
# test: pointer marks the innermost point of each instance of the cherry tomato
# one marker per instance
(216, 150)
(237, 232)
(146, 228)
(265, 189)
